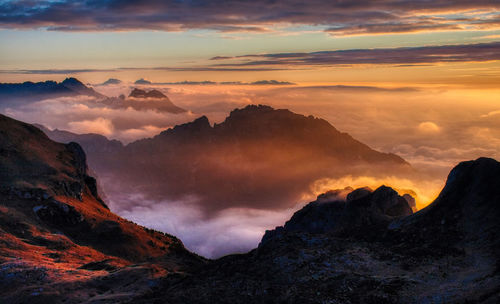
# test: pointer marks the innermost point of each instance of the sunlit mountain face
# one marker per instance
(215, 121)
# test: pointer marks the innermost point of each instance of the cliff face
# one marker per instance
(56, 231)
(367, 247)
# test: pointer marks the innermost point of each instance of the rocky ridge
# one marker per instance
(445, 253)
(57, 236)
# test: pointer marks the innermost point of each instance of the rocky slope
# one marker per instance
(58, 239)
(367, 247)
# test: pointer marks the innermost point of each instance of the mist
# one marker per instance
(432, 128)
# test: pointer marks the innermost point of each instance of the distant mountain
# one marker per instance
(367, 247)
(93, 143)
(142, 81)
(13, 94)
(137, 93)
(28, 91)
(111, 81)
(258, 157)
(58, 239)
(144, 100)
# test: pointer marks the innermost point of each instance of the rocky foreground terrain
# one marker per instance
(58, 240)
(366, 247)
(59, 243)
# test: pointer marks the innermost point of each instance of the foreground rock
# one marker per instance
(367, 247)
(58, 240)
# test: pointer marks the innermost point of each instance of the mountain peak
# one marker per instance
(355, 212)
(72, 81)
(138, 93)
(111, 81)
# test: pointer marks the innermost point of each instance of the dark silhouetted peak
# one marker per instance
(334, 195)
(28, 91)
(347, 211)
(251, 110)
(111, 81)
(92, 143)
(467, 207)
(138, 93)
(197, 127)
(142, 81)
(359, 193)
(72, 82)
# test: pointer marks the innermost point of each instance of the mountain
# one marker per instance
(59, 242)
(142, 81)
(111, 81)
(15, 94)
(141, 100)
(92, 143)
(366, 247)
(259, 157)
(29, 91)
(137, 93)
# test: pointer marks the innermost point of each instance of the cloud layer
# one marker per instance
(336, 17)
(392, 56)
(432, 128)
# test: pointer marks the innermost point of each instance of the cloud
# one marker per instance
(169, 69)
(236, 230)
(339, 17)
(492, 113)
(83, 114)
(384, 118)
(99, 125)
(392, 56)
(428, 127)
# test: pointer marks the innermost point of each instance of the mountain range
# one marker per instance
(260, 157)
(20, 93)
(30, 91)
(59, 243)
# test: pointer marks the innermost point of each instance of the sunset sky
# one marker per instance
(417, 78)
(412, 42)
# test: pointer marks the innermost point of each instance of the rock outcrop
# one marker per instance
(445, 253)
(53, 225)
(361, 211)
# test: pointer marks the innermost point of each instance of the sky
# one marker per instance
(417, 78)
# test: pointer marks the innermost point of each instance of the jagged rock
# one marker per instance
(445, 253)
(346, 211)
